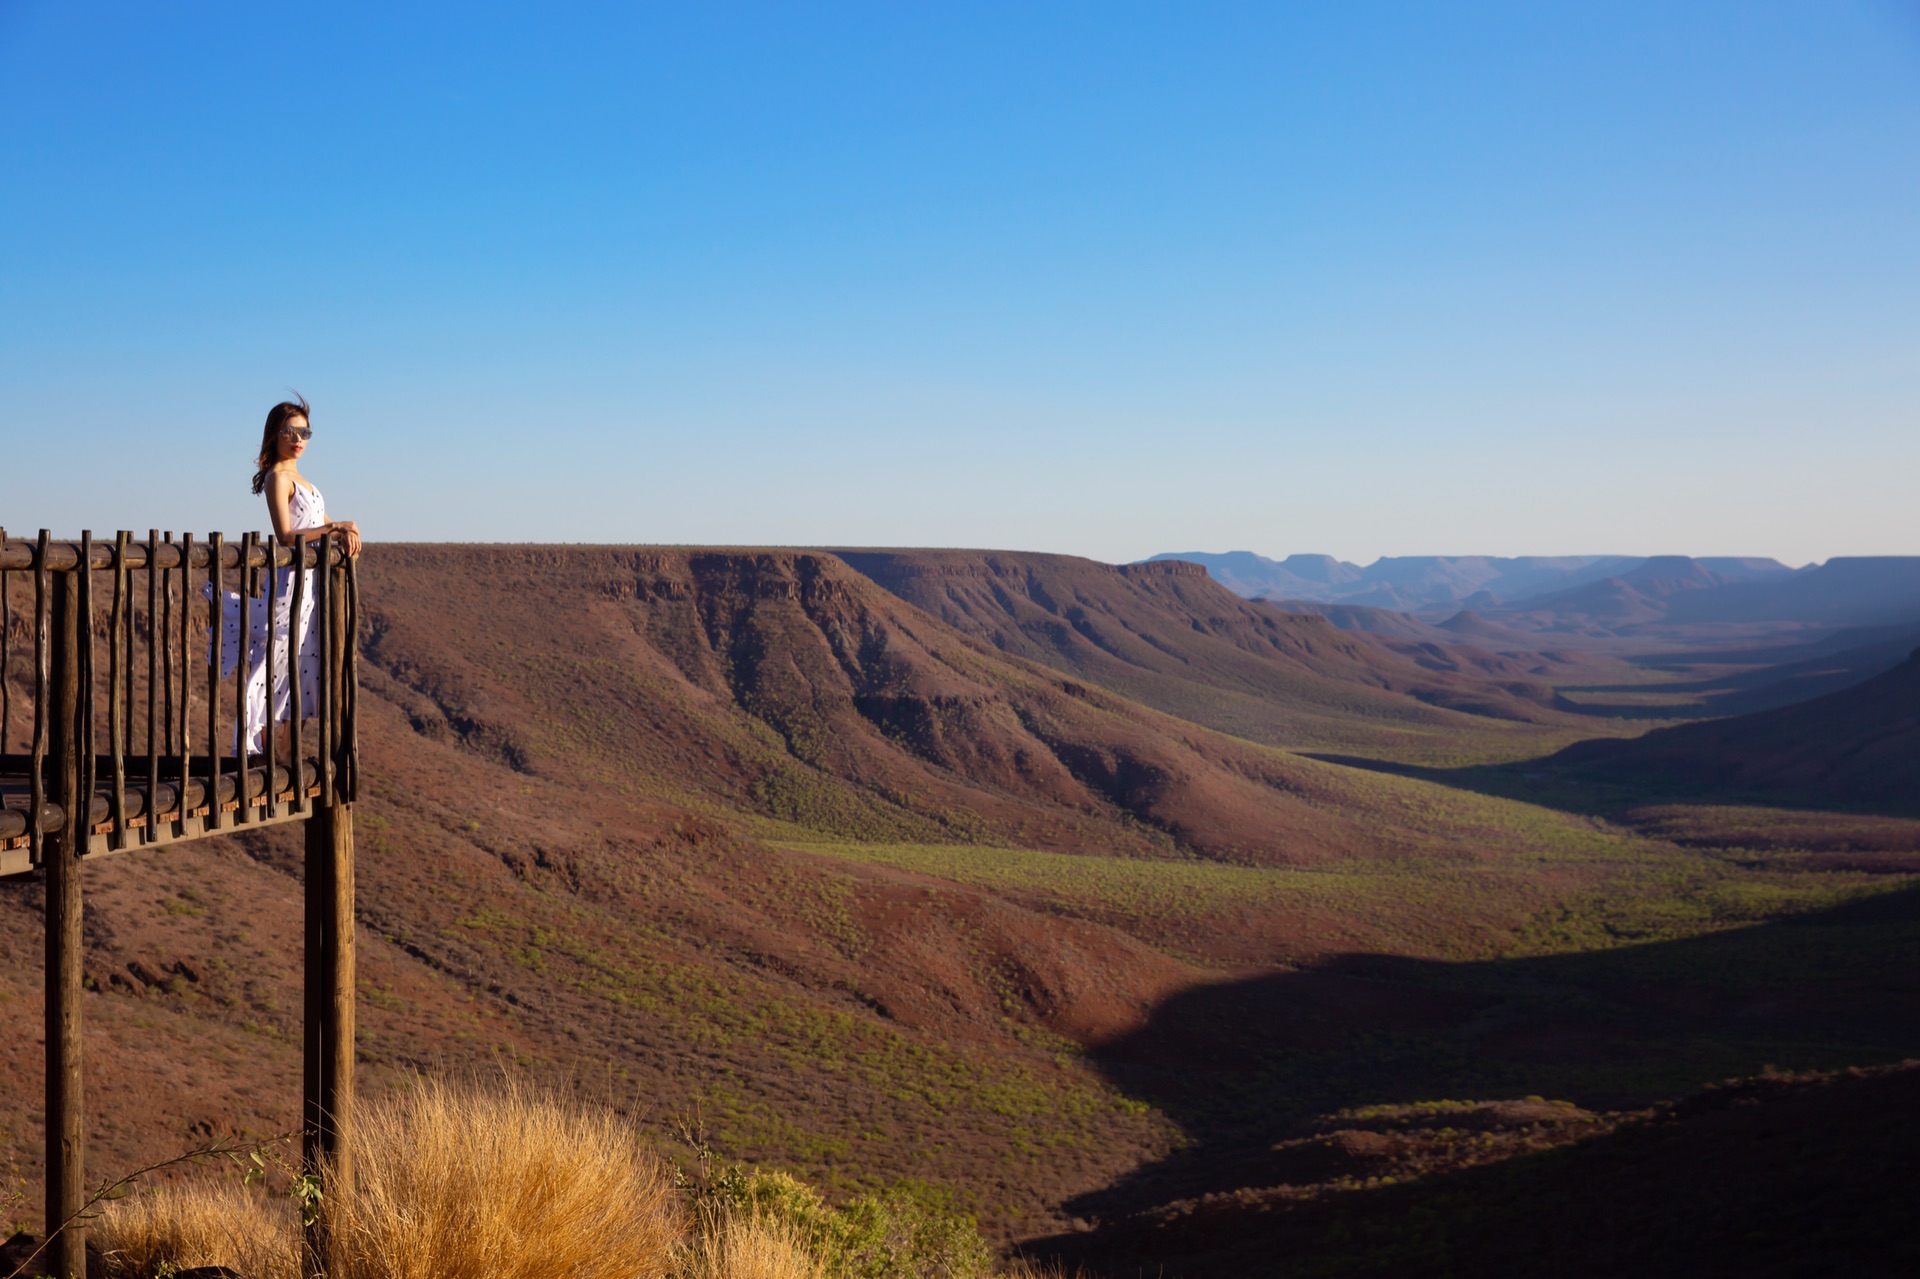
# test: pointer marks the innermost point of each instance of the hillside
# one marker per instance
(609, 798)
(739, 838)
(1859, 747)
(1381, 622)
(1164, 633)
(788, 685)
(1700, 1186)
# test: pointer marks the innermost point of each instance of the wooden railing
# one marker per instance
(174, 765)
(139, 681)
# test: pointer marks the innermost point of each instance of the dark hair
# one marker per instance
(277, 418)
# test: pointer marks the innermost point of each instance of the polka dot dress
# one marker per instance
(309, 510)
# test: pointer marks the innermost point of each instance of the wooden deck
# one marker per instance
(112, 707)
(157, 826)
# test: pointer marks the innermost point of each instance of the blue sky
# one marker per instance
(1110, 279)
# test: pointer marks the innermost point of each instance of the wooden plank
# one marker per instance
(293, 653)
(185, 743)
(6, 656)
(65, 1101)
(153, 670)
(242, 660)
(161, 805)
(165, 641)
(128, 549)
(119, 673)
(216, 818)
(42, 680)
(350, 724)
(83, 580)
(62, 557)
(323, 694)
(327, 1043)
(271, 730)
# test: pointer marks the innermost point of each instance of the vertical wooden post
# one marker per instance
(270, 733)
(241, 669)
(323, 712)
(81, 810)
(295, 647)
(119, 686)
(216, 624)
(151, 831)
(43, 686)
(327, 1050)
(66, 1119)
(6, 654)
(166, 651)
(185, 738)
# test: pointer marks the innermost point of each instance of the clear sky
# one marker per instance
(1106, 278)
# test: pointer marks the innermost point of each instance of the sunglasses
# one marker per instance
(301, 433)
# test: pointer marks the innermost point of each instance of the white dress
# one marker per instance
(308, 510)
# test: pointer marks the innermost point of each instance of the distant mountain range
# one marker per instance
(1414, 582)
(1591, 594)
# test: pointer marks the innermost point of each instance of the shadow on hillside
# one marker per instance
(1660, 712)
(1767, 1178)
(1242, 1065)
(1535, 781)
(1572, 790)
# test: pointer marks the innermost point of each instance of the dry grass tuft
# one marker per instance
(504, 1182)
(205, 1223)
(500, 1183)
(747, 1247)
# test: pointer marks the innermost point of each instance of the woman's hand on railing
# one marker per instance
(347, 533)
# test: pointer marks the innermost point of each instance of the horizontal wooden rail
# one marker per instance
(193, 588)
(105, 556)
(13, 821)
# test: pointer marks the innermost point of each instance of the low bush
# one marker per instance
(501, 1182)
(178, 1227)
(909, 1232)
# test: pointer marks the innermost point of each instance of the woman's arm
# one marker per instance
(280, 508)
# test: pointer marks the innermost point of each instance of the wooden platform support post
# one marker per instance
(66, 1111)
(327, 1058)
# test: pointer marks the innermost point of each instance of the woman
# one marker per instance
(295, 507)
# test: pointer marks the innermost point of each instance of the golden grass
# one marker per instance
(201, 1224)
(499, 1183)
(746, 1246)
(504, 1182)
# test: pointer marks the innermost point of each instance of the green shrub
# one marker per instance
(909, 1231)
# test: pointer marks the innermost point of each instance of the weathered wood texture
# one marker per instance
(328, 1055)
(81, 800)
(65, 1112)
(119, 691)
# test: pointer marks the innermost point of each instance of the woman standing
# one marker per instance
(295, 507)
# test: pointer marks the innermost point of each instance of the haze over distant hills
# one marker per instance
(1595, 595)
(1415, 582)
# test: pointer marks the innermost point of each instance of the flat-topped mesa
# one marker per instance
(1163, 568)
(900, 564)
(633, 573)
